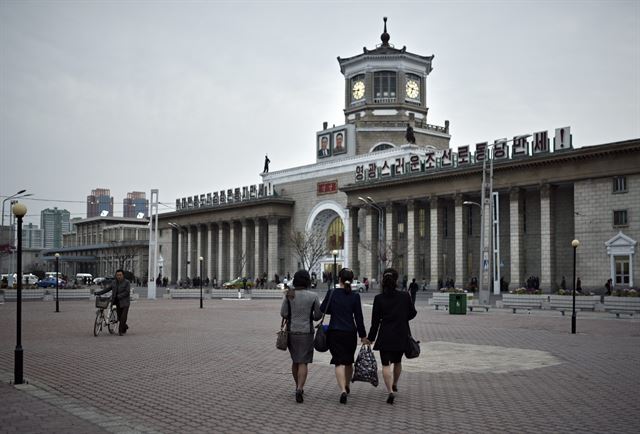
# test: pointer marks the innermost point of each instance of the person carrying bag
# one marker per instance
(300, 307)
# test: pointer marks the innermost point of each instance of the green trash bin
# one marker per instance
(458, 304)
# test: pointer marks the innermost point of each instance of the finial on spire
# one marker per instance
(385, 36)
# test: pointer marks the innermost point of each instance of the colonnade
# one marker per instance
(438, 237)
(230, 249)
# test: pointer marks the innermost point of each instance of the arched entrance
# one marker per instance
(330, 219)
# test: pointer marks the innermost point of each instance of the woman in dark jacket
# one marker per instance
(392, 311)
(300, 307)
(346, 321)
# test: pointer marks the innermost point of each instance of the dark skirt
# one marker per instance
(387, 357)
(301, 347)
(342, 346)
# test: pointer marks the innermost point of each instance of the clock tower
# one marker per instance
(386, 91)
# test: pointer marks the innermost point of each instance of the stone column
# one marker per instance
(189, 244)
(257, 254)
(272, 248)
(244, 250)
(547, 235)
(179, 255)
(390, 241)
(221, 269)
(436, 241)
(353, 242)
(460, 243)
(412, 237)
(369, 258)
(516, 237)
(198, 249)
(232, 251)
(209, 272)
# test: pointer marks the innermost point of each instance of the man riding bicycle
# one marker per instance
(120, 298)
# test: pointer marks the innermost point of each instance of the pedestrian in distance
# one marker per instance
(413, 289)
(392, 311)
(300, 307)
(345, 309)
(121, 298)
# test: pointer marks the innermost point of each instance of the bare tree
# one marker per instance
(386, 253)
(124, 254)
(241, 260)
(309, 247)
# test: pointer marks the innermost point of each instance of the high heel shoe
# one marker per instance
(343, 398)
(348, 390)
(299, 397)
(394, 388)
(390, 398)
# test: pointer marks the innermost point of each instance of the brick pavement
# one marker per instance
(185, 369)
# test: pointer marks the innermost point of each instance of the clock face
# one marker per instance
(358, 90)
(413, 89)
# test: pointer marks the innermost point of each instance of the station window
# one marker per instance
(620, 217)
(619, 184)
(384, 86)
(335, 235)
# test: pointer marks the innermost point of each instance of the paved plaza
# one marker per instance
(182, 369)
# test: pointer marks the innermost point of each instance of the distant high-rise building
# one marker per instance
(98, 201)
(135, 203)
(54, 222)
(31, 237)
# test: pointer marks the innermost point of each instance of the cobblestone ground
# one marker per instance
(182, 369)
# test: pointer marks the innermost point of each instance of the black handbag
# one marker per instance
(320, 342)
(413, 348)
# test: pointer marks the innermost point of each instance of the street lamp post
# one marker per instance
(200, 278)
(480, 257)
(19, 210)
(57, 280)
(574, 244)
(335, 267)
(372, 204)
(6, 199)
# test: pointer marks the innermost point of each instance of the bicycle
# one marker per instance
(104, 304)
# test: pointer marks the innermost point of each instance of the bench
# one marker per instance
(72, 294)
(27, 294)
(564, 303)
(442, 299)
(517, 301)
(478, 306)
(622, 305)
(187, 293)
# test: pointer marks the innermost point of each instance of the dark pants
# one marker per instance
(122, 318)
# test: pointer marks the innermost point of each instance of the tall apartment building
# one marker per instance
(98, 201)
(54, 222)
(135, 203)
(31, 237)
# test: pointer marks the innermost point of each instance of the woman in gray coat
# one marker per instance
(300, 307)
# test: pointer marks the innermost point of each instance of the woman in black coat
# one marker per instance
(392, 311)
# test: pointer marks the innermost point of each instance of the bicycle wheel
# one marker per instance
(113, 321)
(97, 325)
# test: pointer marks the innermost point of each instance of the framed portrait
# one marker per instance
(340, 142)
(324, 146)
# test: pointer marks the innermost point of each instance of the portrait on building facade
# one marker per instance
(339, 142)
(323, 146)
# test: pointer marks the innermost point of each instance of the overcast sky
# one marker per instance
(187, 97)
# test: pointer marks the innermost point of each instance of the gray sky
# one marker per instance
(187, 97)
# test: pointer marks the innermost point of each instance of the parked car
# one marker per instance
(50, 282)
(356, 285)
(98, 280)
(237, 284)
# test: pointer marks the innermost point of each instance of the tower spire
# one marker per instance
(385, 36)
